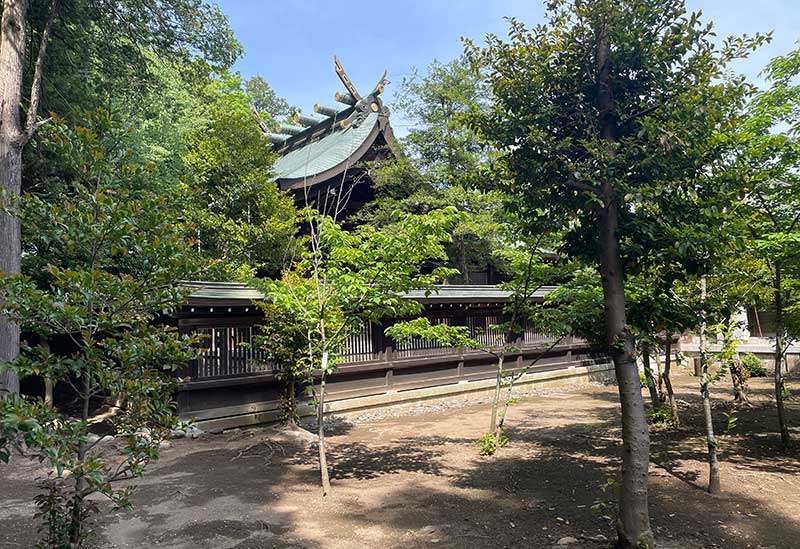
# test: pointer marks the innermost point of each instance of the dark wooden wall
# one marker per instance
(230, 378)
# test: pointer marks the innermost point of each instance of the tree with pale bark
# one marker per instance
(337, 280)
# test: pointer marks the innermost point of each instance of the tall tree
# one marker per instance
(769, 161)
(98, 46)
(14, 135)
(241, 218)
(605, 105)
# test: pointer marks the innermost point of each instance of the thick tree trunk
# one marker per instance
(649, 379)
(779, 351)
(633, 521)
(713, 462)
(673, 404)
(12, 58)
(633, 524)
(323, 458)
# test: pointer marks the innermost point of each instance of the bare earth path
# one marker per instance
(416, 480)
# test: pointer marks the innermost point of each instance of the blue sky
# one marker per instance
(291, 42)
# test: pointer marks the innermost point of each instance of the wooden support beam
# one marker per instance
(289, 129)
(307, 121)
(345, 98)
(325, 110)
(276, 138)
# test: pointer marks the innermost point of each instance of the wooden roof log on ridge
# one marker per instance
(320, 148)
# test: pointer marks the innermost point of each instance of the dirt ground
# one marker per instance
(415, 479)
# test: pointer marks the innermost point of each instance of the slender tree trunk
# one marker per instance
(12, 58)
(463, 259)
(673, 404)
(323, 458)
(648, 376)
(633, 522)
(779, 351)
(77, 513)
(660, 375)
(290, 402)
(713, 462)
(494, 427)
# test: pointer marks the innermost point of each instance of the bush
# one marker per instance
(660, 416)
(753, 366)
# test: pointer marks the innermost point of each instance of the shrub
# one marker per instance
(660, 416)
(753, 365)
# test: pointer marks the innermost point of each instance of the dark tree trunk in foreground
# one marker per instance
(713, 463)
(13, 137)
(633, 521)
(779, 351)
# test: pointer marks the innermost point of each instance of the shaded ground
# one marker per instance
(418, 481)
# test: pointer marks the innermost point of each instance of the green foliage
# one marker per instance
(731, 420)
(444, 334)
(769, 153)
(446, 151)
(489, 444)
(109, 55)
(284, 343)
(660, 416)
(54, 515)
(753, 366)
(606, 506)
(340, 279)
(241, 217)
(443, 157)
(264, 99)
(673, 105)
(114, 255)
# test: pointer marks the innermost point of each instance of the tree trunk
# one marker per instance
(660, 376)
(12, 58)
(494, 427)
(739, 381)
(648, 376)
(77, 512)
(633, 522)
(779, 351)
(323, 458)
(713, 462)
(673, 404)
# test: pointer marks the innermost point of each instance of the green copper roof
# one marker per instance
(320, 156)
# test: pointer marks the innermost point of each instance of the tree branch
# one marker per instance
(577, 185)
(641, 113)
(36, 86)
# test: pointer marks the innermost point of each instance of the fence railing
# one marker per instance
(229, 351)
